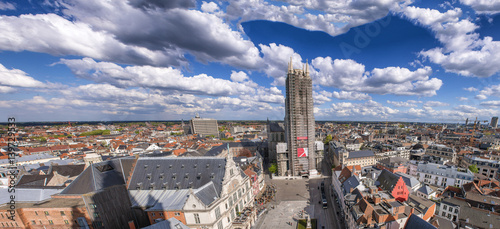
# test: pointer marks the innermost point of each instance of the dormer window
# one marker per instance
(145, 166)
(195, 165)
(198, 176)
(162, 175)
(212, 176)
(208, 165)
(186, 176)
(157, 166)
(182, 166)
(169, 166)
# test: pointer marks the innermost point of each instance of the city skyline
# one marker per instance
(144, 60)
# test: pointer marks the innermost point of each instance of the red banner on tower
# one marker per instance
(301, 138)
(302, 152)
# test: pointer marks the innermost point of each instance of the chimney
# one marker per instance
(376, 199)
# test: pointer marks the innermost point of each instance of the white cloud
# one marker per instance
(58, 36)
(493, 90)
(483, 6)
(482, 61)
(17, 78)
(7, 6)
(464, 52)
(5, 89)
(409, 103)
(238, 76)
(435, 104)
(209, 7)
(370, 109)
(204, 35)
(481, 97)
(495, 103)
(276, 59)
(153, 77)
(350, 95)
(332, 17)
(349, 75)
(471, 89)
(462, 98)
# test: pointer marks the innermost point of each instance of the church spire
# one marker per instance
(290, 66)
(307, 67)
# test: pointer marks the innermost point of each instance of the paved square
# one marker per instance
(292, 197)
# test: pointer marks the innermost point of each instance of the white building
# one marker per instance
(443, 175)
(449, 208)
(201, 192)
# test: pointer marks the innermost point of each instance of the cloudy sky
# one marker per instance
(370, 60)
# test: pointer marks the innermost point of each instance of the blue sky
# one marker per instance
(370, 60)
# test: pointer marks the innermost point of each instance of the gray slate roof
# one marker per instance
(99, 176)
(387, 180)
(409, 180)
(275, 127)
(28, 195)
(177, 173)
(351, 182)
(425, 190)
(171, 223)
(362, 153)
(159, 199)
(415, 222)
(207, 193)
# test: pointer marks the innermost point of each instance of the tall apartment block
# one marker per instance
(494, 122)
(204, 126)
(299, 123)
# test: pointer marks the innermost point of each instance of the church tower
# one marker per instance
(299, 122)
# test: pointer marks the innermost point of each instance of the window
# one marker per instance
(51, 222)
(177, 214)
(219, 225)
(444, 214)
(46, 212)
(96, 215)
(444, 207)
(62, 213)
(36, 213)
(152, 214)
(456, 211)
(161, 213)
(228, 220)
(196, 218)
(66, 221)
(40, 222)
(33, 222)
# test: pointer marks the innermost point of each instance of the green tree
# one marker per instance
(273, 168)
(473, 168)
(328, 139)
